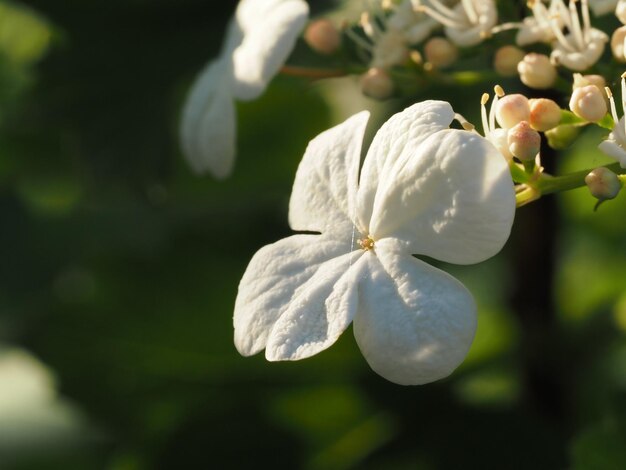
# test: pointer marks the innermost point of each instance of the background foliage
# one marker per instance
(119, 271)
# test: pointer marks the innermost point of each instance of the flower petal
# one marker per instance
(415, 323)
(613, 150)
(208, 128)
(270, 281)
(324, 190)
(319, 311)
(270, 29)
(400, 134)
(451, 199)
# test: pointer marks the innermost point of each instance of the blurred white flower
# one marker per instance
(31, 414)
(467, 23)
(424, 189)
(583, 45)
(259, 40)
(615, 145)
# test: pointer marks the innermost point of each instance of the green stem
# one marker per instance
(552, 184)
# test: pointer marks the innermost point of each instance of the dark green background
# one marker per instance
(119, 270)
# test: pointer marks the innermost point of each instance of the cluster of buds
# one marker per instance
(520, 121)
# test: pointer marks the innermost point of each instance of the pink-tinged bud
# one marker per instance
(603, 183)
(544, 114)
(376, 83)
(588, 102)
(524, 142)
(506, 59)
(512, 109)
(536, 71)
(440, 52)
(617, 44)
(322, 36)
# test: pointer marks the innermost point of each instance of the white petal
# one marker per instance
(324, 190)
(415, 323)
(208, 128)
(613, 150)
(270, 281)
(270, 29)
(402, 133)
(319, 311)
(452, 199)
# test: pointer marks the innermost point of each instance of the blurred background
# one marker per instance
(119, 271)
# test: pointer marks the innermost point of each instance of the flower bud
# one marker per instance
(524, 142)
(536, 71)
(588, 102)
(440, 52)
(584, 80)
(506, 59)
(512, 109)
(561, 137)
(376, 83)
(617, 44)
(603, 183)
(544, 114)
(322, 36)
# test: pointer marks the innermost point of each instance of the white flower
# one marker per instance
(388, 45)
(467, 23)
(615, 145)
(259, 40)
(583, 45)
(424, 189)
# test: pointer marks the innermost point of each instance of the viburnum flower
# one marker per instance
(424, 189)
(259, 39)
(467, 23)
(615, 145)
(583, 45)
(388, 45)
(540, 26)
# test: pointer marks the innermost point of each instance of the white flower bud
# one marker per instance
(524, 142)
(545, 114)
(536, 71)
(376, 83)
(588, 103)
(603, 183)
(512, 109)
(440, 52)
(506, 59)
(499, 138)
(617, 44)
(322, 36)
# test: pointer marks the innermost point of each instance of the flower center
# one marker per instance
(366, 243)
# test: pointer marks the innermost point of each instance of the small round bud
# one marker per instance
(617, 44)
(561, 137)
(544, 114)
(440, 52)
(524, 142)
(376, 83)
(512, 109)
(536, 71)
(588, 102)
(506, 59)
(322, 36)
(603, 183)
